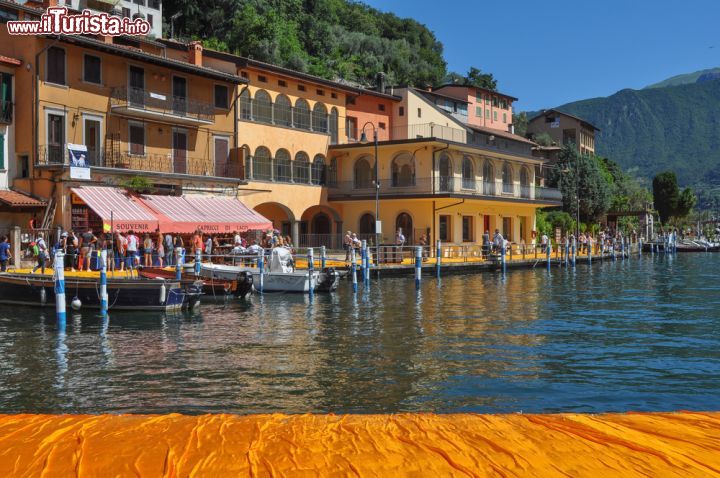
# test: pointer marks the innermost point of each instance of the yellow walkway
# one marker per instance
(567, 445)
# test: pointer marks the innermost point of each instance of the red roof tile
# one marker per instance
(10, 61)
(16, 199)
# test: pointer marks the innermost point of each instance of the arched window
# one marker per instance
(301, 116)
(245, 105)
(403, 170)
(525, 182)
(367, 224)
(507, 178)
(321, 225)
(404, 221)
(445, 173)
(363, 175)
(283, 173)
(247, 160)
(282, 111)
(318, 170)
(468, 173)
(320, 118)
(262, 107)
(488, 178)
(332, 173)
(334, 126)
(301, 173)
(262, 169)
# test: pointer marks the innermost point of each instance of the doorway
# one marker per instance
(179, 91)
(180, 142)
(92, 127)
(136, 93)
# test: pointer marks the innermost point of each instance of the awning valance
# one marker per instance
(210, 214)
(118, 209)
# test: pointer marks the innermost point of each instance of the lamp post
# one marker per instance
(364, 140)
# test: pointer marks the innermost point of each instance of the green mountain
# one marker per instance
(666, 128)
(336, 39)
(696, 77)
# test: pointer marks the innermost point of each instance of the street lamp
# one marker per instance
(364, 140)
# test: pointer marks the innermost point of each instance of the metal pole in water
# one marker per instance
(613, 245)
(178, 267)
(622, 247)
(198, 259)
(103, 283)
(567, 251)
(547, 253)
(589, 246)
(438, 258)
(311, 267)
(363, 251)
(323, 257)
(366, 264)
(418, 266)
(353, 269)
(261, 269)
(574, 251)
(59, 268)
(502, 257)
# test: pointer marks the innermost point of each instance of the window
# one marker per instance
(320, 92)
(301, 87)
(487, 114)
(478, 111)
(362, 174)
(478, 97)
(91, 69)
(245, 105)
(402, 169)
(320, 118)
(494, 115)
(282, 111)
(468, 173)
(221, 96)
(282, 83)
(2, 151)
(350, 100)
(318, 170)
(381, 107)
(402, 111)
(6, 97)
(445, 233)
(261, 162)
(23, 166)
(244, 74)
(504, 117)
(333, 126)
(495, 102)
(139, 2)
(351, 128)
(55, 137)
(419, 112)
(333, 95)
(301, 174)
(154, 4)
(262, 107)
(507, 231)
(302, 114)
(262, 79)
(508, 180)
(150, 20)
(56, 65)
(467, 229)
(487, 100)
(126, 12)
(367, 223)
(283, 173)
(381, 125)
(137, 139)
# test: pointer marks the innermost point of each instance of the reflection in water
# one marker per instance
(624, 335)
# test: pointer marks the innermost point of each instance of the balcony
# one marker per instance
(286, 116)
(444, 185)
(56, 155)
(140, 103)
(6, 112)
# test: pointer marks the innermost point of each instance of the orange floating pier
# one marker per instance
(683, 444)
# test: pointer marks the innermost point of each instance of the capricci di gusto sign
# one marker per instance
(57, 21)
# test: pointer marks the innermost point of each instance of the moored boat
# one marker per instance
(237, 284)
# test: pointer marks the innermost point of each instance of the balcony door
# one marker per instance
(55, 138)
(179, 91)
(91, 138)
(180, 144)
(445, 173)
(222, 148)
(136, 88)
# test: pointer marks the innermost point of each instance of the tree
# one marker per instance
(583, 181)
(686, 202)
(666, 195)
(543, 139)
(520, 122)
(475, 77)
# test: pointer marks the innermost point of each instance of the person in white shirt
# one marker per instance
(498, 240)
(132, 249)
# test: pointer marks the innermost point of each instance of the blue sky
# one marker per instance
(554, 51)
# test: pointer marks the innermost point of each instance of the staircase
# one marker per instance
(49, 213)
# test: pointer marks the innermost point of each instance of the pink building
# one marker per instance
(486, 108)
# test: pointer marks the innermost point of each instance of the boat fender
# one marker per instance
(43, 296)
(76, 304)
(163, 293)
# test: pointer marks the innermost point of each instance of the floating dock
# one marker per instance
(682, 444)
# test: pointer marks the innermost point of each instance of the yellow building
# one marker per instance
(133, 111)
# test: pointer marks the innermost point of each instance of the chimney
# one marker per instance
(380, 79)
(195, 50)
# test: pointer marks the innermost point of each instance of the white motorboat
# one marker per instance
(279, 275)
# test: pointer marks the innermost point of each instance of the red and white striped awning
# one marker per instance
(117, 209)
(210, 214)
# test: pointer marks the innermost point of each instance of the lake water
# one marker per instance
(640, 334)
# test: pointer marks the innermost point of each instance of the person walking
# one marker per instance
(4, 253)
(87, 246)
(347, 244)
(40, 253)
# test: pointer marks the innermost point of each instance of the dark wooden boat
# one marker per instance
(240, 286)
(123, 294)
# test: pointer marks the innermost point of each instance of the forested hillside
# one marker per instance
(334, 39)
(670, 128)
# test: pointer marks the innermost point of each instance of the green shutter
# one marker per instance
(2, 151)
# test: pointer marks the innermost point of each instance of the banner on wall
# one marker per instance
(79, 163)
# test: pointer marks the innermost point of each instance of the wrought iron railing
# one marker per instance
(6, 112)
(165, 104)
(261, 168)
(289, 116)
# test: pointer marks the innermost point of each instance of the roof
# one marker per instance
(487, 90)
(134, 53)
(24, 8)
(18, 199)
(552, 110)
(501, 133)
(440, 95)
(243, 62)
(10, 61)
